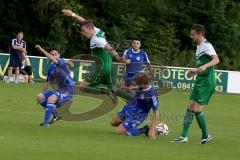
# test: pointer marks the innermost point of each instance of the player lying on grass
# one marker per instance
(136, 110)
(59, 74)
(102, 53)
(204, 86)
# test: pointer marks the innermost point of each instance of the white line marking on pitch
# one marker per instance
(26, 113)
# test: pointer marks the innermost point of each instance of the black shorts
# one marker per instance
(15, 61)
(27, 70)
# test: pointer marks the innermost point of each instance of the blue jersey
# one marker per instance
(145, 100)
(136, 111)
(137, 60)
(15, 52)
(59, 73)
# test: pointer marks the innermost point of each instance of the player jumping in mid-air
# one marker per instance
(204, 86)
(59, 74)
(102, 52)
(137, 109)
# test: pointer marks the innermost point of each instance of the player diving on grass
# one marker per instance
(204, 86)
(136, 111)
(59, 74)
(102, 53)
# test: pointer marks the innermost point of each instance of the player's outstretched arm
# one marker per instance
(151, 133)
(215, 60)
(116, 55)
(70, 13)
(48, 55)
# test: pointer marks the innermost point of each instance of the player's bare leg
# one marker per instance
(10, 69)
(40, 98)
(17, 70)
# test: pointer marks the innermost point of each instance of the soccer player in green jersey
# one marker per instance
(102, 53)
(204, 86)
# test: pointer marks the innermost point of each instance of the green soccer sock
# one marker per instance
(188, 118)
(202, 123)
(124, 95)
(118, 92)
(96, 90)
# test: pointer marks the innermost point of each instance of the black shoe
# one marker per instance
(180, 139)
(55, 118)
(113, 96)
(144, 130)
(44, 125)
(206, 140)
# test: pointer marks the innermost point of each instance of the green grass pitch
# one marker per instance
(22, 139)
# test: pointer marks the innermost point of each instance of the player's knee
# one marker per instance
(197, 107)
(40, 97)
(191, 105)
(83, 84)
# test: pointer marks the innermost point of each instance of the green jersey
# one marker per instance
(97, 44)
(205, 81)
(203, 56)
(102, 72)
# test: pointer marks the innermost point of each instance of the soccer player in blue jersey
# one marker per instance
(18, 48)
(136, 110)
(137, 58)
(59, 74)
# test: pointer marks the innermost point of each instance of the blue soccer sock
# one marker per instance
(48, 112)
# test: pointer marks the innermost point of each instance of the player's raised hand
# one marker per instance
(38, 47)
(67, 12)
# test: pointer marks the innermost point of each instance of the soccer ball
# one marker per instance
(162, 129)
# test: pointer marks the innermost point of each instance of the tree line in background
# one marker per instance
(162, 25)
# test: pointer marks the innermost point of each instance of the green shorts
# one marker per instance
(202, 92)
(101, 76)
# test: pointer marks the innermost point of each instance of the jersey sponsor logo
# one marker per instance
(62, 95)
(93, 45)
(138, 58)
